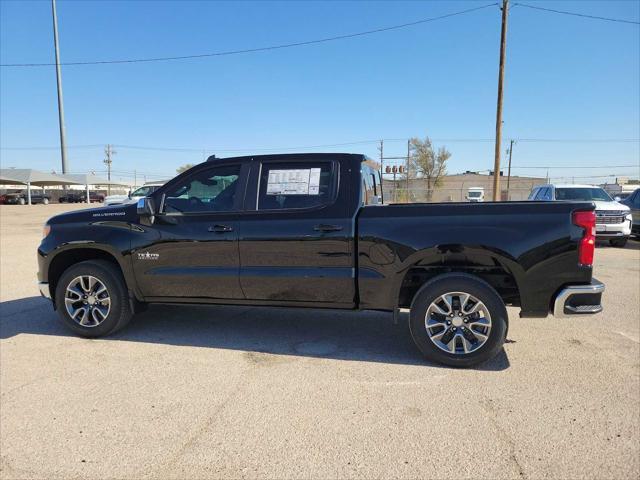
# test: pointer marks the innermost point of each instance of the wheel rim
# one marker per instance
(87, 301)
(458, 323)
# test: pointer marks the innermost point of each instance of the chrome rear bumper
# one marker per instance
(579, 300)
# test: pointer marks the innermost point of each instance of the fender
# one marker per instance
(458, 257)
(108, 237)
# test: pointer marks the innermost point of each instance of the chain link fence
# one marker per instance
(396, 194)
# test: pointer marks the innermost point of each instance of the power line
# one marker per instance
(332, 145)
(595, 176)
(579, 140)
(575, 14)
(581, 167)
(259, 49)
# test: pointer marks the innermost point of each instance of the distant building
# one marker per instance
(454, 188)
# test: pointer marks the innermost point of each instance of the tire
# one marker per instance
(108, 317)
(618, 242)
(490, 318)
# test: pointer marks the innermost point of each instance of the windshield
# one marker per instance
(475, 194)
(587, 194)
(142, 191)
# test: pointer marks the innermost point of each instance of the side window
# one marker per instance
(212, 190)
(534, 192)
(636, 200)
(543, 194)
(295, 185)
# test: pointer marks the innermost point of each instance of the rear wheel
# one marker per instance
(458, 320)
(91, 299)
(618, 242)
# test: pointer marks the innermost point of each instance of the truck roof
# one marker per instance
(302, 157)
(565, 185)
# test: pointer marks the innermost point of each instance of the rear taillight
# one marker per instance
(587, 244)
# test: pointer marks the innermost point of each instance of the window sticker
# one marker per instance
(299, 181)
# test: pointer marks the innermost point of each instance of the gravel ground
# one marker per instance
(222, 392)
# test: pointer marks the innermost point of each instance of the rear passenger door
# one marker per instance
(296, 235)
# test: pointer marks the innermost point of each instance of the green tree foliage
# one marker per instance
(428, 163)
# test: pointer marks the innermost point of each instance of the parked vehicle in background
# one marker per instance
(311, 230)
(613, 219)
(144, 191)
(475, 194)
(619, 191)
(633, 202)
(20, 198)
(81, 197)
(93, 197)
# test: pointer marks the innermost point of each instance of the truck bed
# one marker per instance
(529, 250)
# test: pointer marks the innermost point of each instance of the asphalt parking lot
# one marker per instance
(222, 392)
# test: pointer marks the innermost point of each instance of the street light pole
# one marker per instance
(63, 139)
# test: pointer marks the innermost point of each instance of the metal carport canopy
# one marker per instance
(29, 177)
(87, 179)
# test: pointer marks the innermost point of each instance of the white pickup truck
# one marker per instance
(144, 191)
(613, 219)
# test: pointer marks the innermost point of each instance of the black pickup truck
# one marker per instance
(312, 230)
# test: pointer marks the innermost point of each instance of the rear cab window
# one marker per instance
(371, 185)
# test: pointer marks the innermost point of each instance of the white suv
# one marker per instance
(613, 219)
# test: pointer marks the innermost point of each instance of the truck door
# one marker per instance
(191, 250)
(296, 234)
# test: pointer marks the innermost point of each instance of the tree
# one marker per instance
(184, 167)
(428, 163)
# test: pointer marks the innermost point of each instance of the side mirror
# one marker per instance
(146, 209)
(617, 199)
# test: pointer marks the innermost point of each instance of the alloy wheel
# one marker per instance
(458, 323)
(87, 301)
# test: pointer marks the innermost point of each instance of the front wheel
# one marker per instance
(618, 242)
(91, 299)
(458, 320)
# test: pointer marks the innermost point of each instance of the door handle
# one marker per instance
(327, 228)
(220, 228)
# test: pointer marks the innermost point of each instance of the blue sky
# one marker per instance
(566, 78)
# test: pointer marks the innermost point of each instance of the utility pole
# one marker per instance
(408, 157)
(108, 153)
(503, 48)
(509, 174)
(63, 135)
(381, 149)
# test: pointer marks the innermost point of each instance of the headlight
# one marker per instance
(628, 217)
(46, 230)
